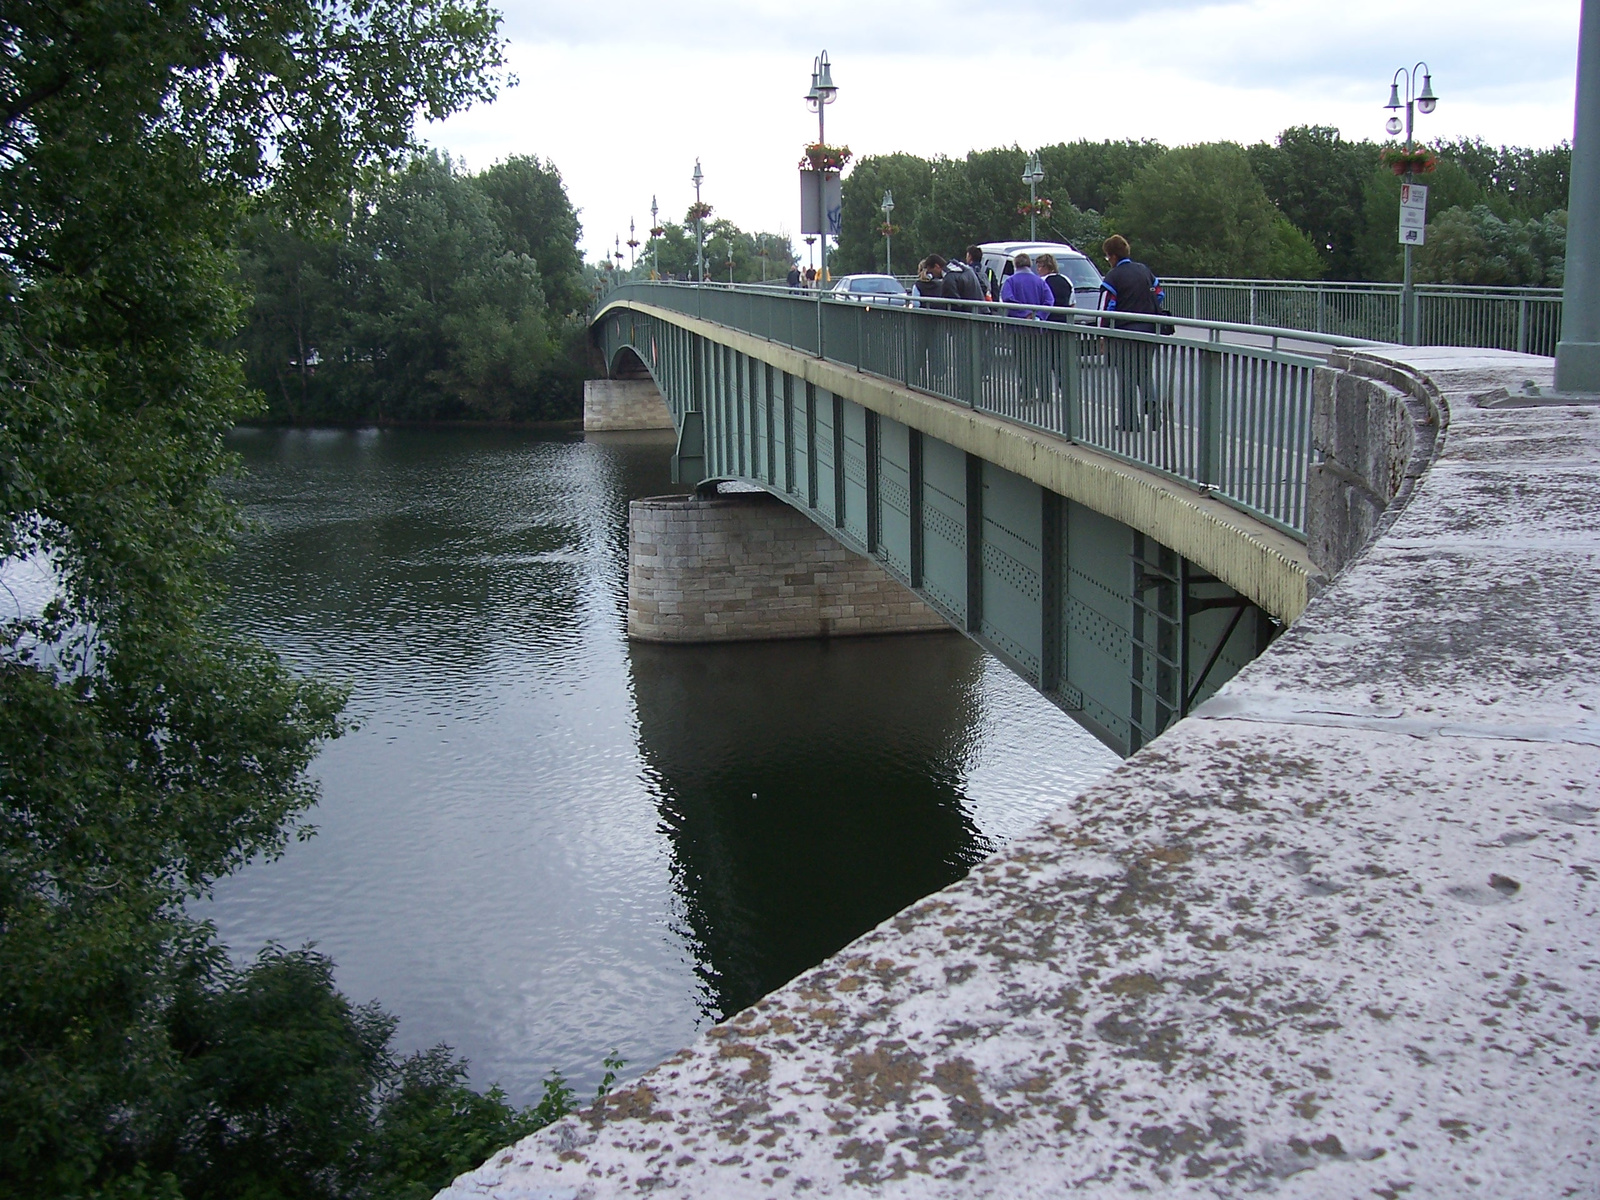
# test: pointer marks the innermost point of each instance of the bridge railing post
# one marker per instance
(973, 372)
(1210, 432)
(1072, 388)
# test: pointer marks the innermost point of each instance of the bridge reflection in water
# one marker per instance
(797, 822)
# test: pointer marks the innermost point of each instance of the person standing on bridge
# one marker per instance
(1022, 286)
(961, 281)
(795, 279)
(1131, 287)
(1060, 286)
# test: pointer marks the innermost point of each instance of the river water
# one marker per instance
(543, 843)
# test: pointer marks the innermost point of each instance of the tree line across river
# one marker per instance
(1309, 205)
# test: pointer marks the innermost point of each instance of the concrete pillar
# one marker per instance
(612, 404)
(747, 567)
(1578, 352)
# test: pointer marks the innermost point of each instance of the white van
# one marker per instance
(1085, 279)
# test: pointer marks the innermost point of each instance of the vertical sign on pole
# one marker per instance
(1413, 214)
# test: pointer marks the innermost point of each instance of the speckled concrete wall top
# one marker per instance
(1335, 935)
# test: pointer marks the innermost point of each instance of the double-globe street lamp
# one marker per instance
(1425, 102)
(888, 231)
(655, 247)
(699, 250)
(823, 93)
(1033, 176)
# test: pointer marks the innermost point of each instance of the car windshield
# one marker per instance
(876, 285)
(1082, 273)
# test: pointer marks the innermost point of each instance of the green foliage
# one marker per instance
(1091, 176)
(1200, 210)
(1378, 250)
(1474, 246)
(145, 749)
(424, 302)
(942, 205)
(1331, 197)
(1517, 181)
(1318, 181)
(675, 248)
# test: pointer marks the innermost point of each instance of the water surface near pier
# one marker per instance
(543, 842)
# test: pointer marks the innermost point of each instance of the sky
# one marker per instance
(623, 97)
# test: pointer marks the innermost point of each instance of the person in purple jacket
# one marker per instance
(1024, 287)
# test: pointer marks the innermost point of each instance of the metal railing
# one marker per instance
(1499, 318)
(1231, 418)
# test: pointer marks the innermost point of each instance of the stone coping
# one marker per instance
(1334, 935)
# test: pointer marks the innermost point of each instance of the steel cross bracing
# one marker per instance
(1042, 581)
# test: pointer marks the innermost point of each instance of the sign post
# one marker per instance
(1413, 233)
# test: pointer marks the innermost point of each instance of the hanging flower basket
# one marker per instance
(820, 157)
(1409, 162)
(1038, 208)
(887, 230)
(658, 231)
(699, 212)
(632, 243)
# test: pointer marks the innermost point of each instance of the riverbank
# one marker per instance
(568, 425)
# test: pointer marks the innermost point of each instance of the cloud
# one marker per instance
(624, 98)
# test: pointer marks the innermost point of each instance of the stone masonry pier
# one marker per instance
(611, 405)
(744, 566)
(1336, 935)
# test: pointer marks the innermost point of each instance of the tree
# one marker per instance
(1091, 176)
(1200, 211)
(539, 222)
(422, 302)
(675, 248)
(1318, 181)
(1379, 251)
(1474, 246)
(146, 749)
(1517, 182)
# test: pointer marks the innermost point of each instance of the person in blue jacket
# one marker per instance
(1132, 288)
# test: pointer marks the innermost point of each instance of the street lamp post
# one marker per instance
(1425, 102)
(823, 93)
(888, 232)
(1033, 175)
(655, 247)
(699, 250)
(811, 258)
(1578, 351)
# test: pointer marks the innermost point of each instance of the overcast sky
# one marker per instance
(623, 96)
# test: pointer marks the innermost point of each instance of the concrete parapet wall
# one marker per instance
(618, 404)
(1374, 425)
(747, 567)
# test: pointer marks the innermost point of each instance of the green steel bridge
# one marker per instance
(1119, 516)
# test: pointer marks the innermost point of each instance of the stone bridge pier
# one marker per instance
(745, 566)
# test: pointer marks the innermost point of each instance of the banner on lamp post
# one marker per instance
(821, 203)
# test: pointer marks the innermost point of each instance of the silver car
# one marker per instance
(870, 289)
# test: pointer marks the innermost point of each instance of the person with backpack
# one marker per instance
(1130, 287)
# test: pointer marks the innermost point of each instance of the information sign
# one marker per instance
(1413, 214)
